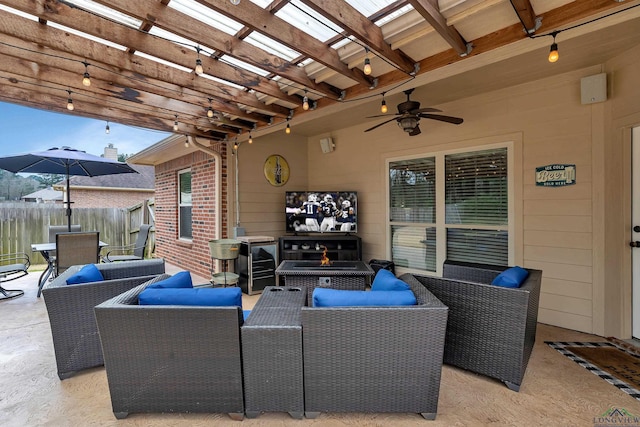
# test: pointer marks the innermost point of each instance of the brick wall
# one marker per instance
(81, 198)
(190, 255)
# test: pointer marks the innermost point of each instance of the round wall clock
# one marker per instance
(276, 170)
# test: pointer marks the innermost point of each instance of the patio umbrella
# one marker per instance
(64, 161)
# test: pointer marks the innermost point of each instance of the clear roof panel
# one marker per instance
(305, 19)
(206, 15)
(107, 12)
(273, 47)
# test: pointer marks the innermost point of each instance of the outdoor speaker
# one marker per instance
(593, 88)
(327, 145)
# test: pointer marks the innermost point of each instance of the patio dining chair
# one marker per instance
(131, 252)
(12, 266)
(76, 248)
(57, 229)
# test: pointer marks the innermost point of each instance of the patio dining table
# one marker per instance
(45, 250)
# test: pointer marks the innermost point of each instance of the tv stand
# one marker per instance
(339, 247)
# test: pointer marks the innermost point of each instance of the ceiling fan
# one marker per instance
(409, 114)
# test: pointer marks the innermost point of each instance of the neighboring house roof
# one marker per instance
(46, 195)
(143, 180)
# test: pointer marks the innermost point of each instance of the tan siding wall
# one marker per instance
(575, 234)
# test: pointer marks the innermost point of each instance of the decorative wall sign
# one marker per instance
(556, 175)
(276, 170)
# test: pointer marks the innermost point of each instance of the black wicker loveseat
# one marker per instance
(491, 330)
(70, 307)
(374, 359)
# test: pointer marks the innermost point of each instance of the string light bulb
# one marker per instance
(86, 78)
(383, 105)
(250, 138)
(305, 101)
(186, 142)
(367, 62)
(107, 130)
(235, 2)
(235, 145)
(70, 106)
(198, 69)
(553, 52)
(288, 128)
(175, 124)
(210, 110)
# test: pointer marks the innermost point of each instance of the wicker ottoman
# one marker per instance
(272, 353)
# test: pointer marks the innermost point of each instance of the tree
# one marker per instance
(47, 179)
(123, 157)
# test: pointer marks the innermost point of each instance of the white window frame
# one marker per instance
(440, 223)
(180, 205)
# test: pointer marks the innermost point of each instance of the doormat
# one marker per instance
(613, 363)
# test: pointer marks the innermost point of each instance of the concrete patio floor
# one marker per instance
(555, 390)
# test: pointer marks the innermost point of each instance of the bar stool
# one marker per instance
(224, 250)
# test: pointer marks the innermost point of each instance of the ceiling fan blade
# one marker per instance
(426, 110)
(380, 124)
(382, 115)
(448, 119)
(416, 131)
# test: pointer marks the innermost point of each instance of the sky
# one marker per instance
(24, 129)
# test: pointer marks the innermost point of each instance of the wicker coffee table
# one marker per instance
(347, 275)
(272, 353)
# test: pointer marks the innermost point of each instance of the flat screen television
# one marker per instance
(321, 211)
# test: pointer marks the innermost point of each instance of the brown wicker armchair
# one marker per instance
(374, 359)
(171, 358)
(491, 329)
(70, 307)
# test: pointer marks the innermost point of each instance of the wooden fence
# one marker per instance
(22, 224)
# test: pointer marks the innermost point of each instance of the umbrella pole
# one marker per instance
(68, 202)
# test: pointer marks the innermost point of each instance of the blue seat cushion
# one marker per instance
(512, 277)
(88, 273)
(324, 297)
(178, 280)
(245, 314)
(385, 280)
(209, 297)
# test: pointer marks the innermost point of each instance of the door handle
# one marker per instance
(635, 244)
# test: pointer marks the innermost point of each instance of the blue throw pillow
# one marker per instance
(512, 277)
(178, 280)
(210, 297)
(385, 280)
(88, 273)
(325, 297)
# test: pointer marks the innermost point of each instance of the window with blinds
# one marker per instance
(469, 190)
(184, 204)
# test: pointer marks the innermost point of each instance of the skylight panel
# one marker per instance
(85, 35)
(162, 61)
(243, 65)
(106, 12)
(156, 31)
(18, 12)
(206, 15)
(307, 20)
(369, 7)
(273, 47)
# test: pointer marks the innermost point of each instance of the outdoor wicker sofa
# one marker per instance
(491, 329)
(70, 307)
(170, 358)
(374, 359)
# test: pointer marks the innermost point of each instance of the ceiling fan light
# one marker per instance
(408, 124)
